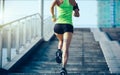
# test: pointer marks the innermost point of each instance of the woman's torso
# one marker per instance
(65, 13)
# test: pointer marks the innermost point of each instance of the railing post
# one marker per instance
(17, 39)
(9, 45)
(24, 34)
(39, 26)
(27, 31)
(36, 27)
(0, 49)
(30, 30)
(21, 34)
(42, 18)
(33, 28)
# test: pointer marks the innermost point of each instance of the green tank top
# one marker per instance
(65, 13)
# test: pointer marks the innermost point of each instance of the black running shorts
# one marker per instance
(62, 28)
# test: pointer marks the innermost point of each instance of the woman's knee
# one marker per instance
(60, 44)
(59, 37)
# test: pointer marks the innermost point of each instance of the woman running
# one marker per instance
(64, 28)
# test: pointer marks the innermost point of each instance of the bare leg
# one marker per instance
(60, 38)
(65, 48)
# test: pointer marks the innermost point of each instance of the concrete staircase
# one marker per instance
(85, 58)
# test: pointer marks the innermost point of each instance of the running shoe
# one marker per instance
(63, 71)
(59, 56)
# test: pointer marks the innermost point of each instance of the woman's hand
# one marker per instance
(54, 19)
(76, 13)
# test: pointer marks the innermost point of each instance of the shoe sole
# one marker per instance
(63, 73)
(58, 59)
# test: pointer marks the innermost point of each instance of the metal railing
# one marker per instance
(19, 36)
(48, 28)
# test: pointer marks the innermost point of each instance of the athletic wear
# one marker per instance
(62, 28)
(65, 13)
(76, 7)
(63, 71)
(59, 56)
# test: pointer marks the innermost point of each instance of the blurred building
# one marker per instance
(117, 13)
(108, 13)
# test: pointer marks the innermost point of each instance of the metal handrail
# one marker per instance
(2, 25)
(17, 37)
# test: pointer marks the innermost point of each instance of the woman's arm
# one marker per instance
(52, 11)
(76, 10)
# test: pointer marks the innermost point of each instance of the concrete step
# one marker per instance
(48, 66)
(54, 69)
(70, 73)
(85, 56)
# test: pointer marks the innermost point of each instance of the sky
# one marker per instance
(15, 9)
(88, 14)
